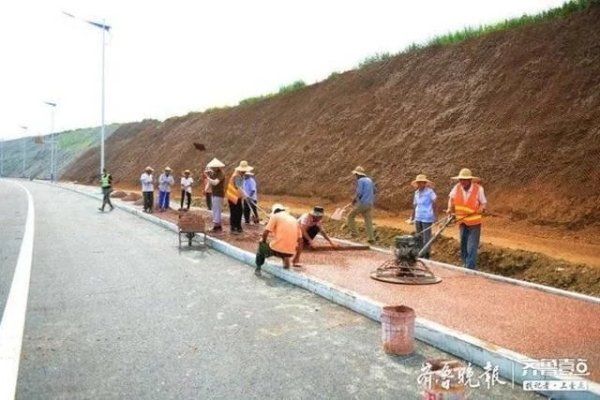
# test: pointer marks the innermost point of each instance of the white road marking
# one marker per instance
(13, 319)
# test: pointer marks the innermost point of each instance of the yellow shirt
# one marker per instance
(286, 232)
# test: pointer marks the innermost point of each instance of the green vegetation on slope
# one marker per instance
(69, 145)
(467, 33)
(292, 87)
(565, 10)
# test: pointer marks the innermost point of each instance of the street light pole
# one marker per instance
(105, 28)
(52, 140)
(102, 129)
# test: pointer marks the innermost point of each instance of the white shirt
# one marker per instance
(165, 182)
(186, 184)
(146, 180)
(307, 221)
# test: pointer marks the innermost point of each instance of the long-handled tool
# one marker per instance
(250, 203)
(338, 214)
(339, 248)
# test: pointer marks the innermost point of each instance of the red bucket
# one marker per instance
(398, 330)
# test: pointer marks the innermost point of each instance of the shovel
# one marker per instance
(338, 214)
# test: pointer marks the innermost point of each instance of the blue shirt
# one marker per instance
(423, 203)
(365, 191)
(250, 188)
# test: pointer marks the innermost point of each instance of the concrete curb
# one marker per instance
(510, 364)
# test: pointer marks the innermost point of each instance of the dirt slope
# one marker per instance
(521, 108)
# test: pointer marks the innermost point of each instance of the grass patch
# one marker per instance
(467, 33)
(374, 59)
(565, 10)
(285, 89)
(82, 139)
(292, 87)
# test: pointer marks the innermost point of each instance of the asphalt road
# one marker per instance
(116, 311)
(13, 211)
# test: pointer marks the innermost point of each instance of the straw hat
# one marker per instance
(421, 178)
(187, 171)
(359, 171)
(214, 163)
(149, 168)
(244, 167)
(168, 169)
(465, 173)
(277, 207)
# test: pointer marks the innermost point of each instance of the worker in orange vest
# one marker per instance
(467, 202)
(236, 196)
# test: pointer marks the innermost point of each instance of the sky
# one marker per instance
(168, 58)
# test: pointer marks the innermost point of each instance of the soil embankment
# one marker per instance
(521, 108)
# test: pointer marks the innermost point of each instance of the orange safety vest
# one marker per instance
(464, 207)
(232, 193)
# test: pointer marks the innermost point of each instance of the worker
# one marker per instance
(286, 237)
(251, 202)
(467, 203)
(310, 226)
(217, 180)
(424, 210)
(106, 185)
(363, 203)
(236, 196)
(165, 181)
(186, 189)
(147, 181)
(208, 188)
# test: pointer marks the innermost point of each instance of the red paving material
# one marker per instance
(526, 320)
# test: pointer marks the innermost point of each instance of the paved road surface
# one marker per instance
(115, 311)
(13, 210)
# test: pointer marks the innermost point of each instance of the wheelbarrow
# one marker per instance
(190, 224)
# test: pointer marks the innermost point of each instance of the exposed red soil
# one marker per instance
(118, 194)
(132, 196)
(521, 108)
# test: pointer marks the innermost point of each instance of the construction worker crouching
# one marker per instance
(310, 226)
(286, 237)
(216, 178)
(467, 202)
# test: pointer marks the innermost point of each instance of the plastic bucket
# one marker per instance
(398, 329)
